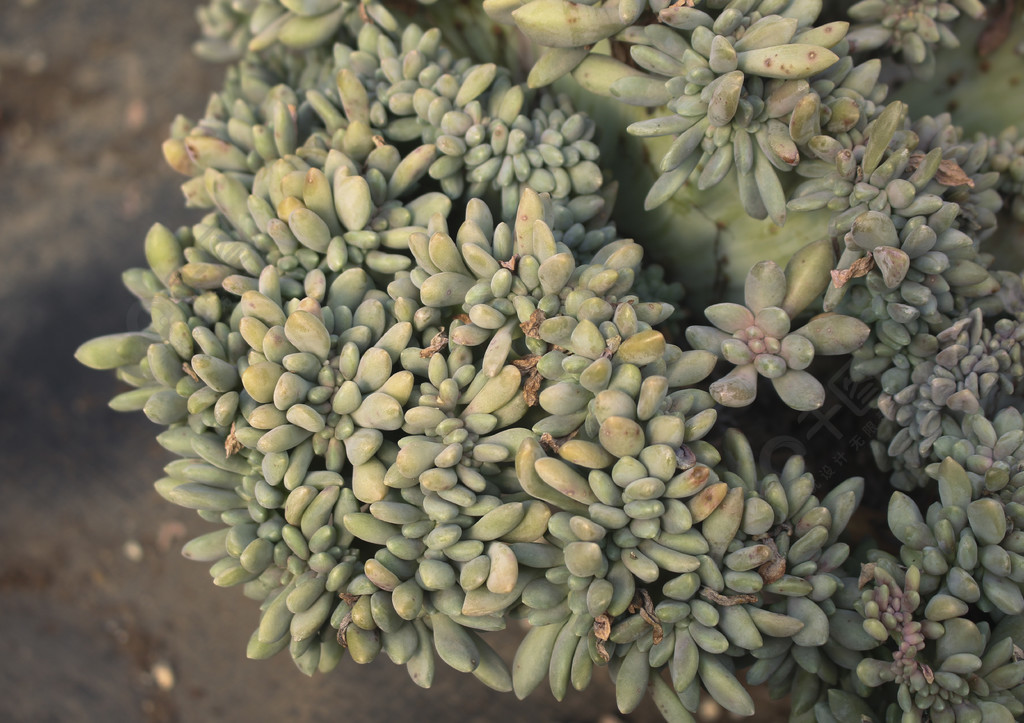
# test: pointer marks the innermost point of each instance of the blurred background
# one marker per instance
(101, 618)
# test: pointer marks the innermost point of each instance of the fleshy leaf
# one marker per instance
(730, 318)
(707, 338)
(773, 321)
(799, 390)
(765, 286)
(893, 263)
(835, 333)
(872, 229)
(738, 388)
(807, 275)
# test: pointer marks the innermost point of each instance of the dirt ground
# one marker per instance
(101, 618)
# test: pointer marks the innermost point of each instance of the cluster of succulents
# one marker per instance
(987, 450)
(423, 387)
(913, 29)
(747, 84)
(232, 28)
(904, 235)
(972, 370)
(943, 665)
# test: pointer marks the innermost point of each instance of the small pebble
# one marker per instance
(132, 550)
(163, 675)
(709, 710)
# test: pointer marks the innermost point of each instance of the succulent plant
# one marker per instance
(422, 385)
(987, 450)
(911, 245)
(232, 28)
(1007, 159)
(945, 666)
(910, 28)
(756, 337)
(962, 538)
(972, 369)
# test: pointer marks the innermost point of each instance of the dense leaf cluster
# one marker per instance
(423, 387)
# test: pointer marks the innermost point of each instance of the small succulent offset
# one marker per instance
(422, 386)
(757, 337)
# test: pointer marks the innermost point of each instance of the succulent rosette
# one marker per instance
(757, 339)
(668, 564)
(988, 450)
(746, 84)
(904, 232)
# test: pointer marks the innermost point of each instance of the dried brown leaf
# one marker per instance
(231, 444)
(343, 630)
(611, 346)
(532, 378)
(867, 574)
(860, 267)
(647, 613)
(726, 600)
(531, 389)
(951, 174)
(510, 264)
(773, 569)
(659, 634)
(531, 325)
(436, 344)
(553, 444)
(603, 626)
(527, 363)
(187, 368)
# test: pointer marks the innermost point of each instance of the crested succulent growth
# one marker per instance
(422, 385)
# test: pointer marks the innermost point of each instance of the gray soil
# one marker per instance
(101, 618)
